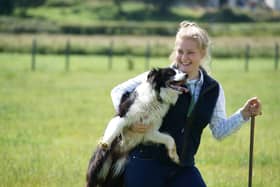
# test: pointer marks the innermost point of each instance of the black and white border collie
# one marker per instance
(147, 104)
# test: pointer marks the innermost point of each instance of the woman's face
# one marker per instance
(189, 56)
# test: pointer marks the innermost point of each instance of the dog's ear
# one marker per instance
(152, 74)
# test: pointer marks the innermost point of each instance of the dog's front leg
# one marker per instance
(167, 140)
(113, 130)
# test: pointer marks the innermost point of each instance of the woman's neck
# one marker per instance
(194, 76)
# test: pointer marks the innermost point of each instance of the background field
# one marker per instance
(159, 46)
(50, 120)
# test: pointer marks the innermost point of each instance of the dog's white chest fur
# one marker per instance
(146, 109)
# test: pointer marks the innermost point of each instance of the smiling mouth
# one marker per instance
(186, 64)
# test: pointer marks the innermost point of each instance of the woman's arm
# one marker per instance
(220, 125)
(127, 86)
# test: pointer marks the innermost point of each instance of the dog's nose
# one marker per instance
(186, 76)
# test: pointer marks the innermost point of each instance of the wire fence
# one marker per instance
(130, 62)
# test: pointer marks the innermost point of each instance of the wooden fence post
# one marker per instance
(33, 61)
(247, 57)
(276, 56)
(148, 55)
(110, 55)
(67, 55)
(130, 63)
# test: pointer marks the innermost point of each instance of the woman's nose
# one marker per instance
(185, 57)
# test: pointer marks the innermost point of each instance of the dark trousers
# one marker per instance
(154, 173)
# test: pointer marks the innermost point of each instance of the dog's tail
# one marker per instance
(118, 166)
(115, 173)
(100, 165)
(95, 165)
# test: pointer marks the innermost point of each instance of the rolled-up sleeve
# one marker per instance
(220, 125)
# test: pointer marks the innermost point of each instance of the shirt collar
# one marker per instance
(197, 81)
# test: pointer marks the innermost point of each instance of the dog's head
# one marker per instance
(167, 82)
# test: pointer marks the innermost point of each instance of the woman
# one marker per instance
(149, 165)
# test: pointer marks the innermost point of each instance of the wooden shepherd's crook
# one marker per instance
(251, 151)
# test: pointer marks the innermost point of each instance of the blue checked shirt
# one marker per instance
(220, 125)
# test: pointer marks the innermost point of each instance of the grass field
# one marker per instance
(50, 120)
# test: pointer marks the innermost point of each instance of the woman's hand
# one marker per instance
(251, 108)
(140, 128)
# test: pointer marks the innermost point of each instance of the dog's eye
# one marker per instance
(170, 73)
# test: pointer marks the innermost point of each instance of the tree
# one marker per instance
(162, 6)
(6, 7)
(223, 3)
(23, 5)
(118, 3)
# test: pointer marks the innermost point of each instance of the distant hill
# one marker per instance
(103, 17)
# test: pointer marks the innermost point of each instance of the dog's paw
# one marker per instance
(173, 155)
(104, 145)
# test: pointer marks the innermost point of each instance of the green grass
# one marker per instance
(50, 120)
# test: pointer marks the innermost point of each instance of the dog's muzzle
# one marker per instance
(177, 85)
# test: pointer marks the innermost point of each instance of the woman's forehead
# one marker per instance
(187, 43)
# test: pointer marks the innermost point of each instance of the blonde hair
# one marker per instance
(192, 30)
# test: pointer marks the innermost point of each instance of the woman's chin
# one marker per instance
(184, 69)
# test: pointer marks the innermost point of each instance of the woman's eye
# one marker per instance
(180, 52)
